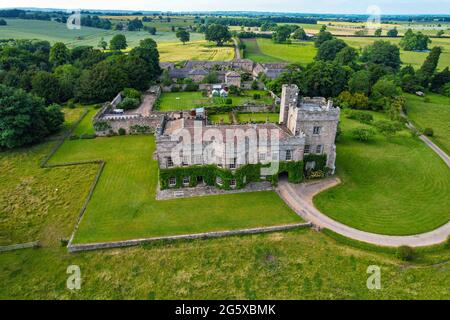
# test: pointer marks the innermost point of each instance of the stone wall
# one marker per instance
(128, 243)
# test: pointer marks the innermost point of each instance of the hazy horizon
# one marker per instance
(387, 7)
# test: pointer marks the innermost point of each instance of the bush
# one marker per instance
(131, 93)
(360, 116)
(191, 87)
(228, 101)
(388, 128)
(363, 134)
(447, 243)
(129, 103)
(405, 253)
(175, 89)
(88, 136)
(256, 96)
(122, 132)
(428, 132)
(101, 126)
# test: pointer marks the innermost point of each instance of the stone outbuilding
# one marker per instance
(233, 78)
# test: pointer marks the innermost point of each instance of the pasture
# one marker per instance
(194, 50)
(391, 185)
(57, 32)
(265, 50)
(431, 112)
(415, 59)
(257, 117)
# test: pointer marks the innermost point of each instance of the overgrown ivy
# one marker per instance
(243, 175)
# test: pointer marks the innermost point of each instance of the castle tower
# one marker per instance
(289, 98)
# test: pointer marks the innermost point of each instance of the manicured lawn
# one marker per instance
(394, 186)
(265, 50)
(171, 101)
(257, 117)
(416, 59)
(434, 114)
(123, 205)
(194, 50)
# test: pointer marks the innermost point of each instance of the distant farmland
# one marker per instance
(57, 32)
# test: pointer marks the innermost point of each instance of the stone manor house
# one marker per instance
(190, 151)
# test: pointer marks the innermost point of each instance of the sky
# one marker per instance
(301, 6)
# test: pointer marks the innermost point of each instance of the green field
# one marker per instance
(218, 118)
(172, 101)
(257, 117)
(434, 114)
(85, 127)
(265, 50)
(58, 32)
(394, 186)
(123, 205)
(301, 264)
(408, 57)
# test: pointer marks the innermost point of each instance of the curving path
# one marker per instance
(300, 199)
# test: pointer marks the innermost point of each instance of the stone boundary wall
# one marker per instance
(216, 234)
(12, 247)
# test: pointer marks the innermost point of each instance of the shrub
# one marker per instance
(191, 87)
(129, 103)
(88, 136)
(405, 253)
(101, 126)
(175, 89)
(131, 93)
(447, 243)
(428, 132)
(363, 134)
(256, 96)
(122, 132)
(360, 116)
(71, 105)
(228, 101)
(388, 128)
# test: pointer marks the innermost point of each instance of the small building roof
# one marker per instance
(232, 74)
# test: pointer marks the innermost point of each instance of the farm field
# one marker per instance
(219, 118)
(394, 186)
(434, 114)
(408, 57)
(172, 101)
(123, 205)
(264, 50)
(85, 127)
(194, 50)
(58, 32)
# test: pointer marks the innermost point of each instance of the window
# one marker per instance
(219, 181)
(198, 159)
(310, 165)
(172, 181)
(186, 181)
(307, 149)
(233, 163)
(288, 155)
(169, 162)
(319, 149)
(233, 183)
(261, 156)
(244, 179)
(316, 130)
(185, 161)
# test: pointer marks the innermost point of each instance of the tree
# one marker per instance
(440, 80)
(218, 33)
(46, 85)
(360, 82)
(405, 253)
(440, 33)
(430, 64)
(55, 118)
(353, 101)
(324, 79)
(59, 54)
(281, 34)
(387, 128)
(24, 118)
(414, 41)
(3, 22)
(183, 35)
(393, 33)
(383, 93)
(322, 36)
(329, 49)
(102, 44)
(347, 57)
(148, 51)
(135, 24)
(383, 53)
(151, 30)
(378, 32)
(118, 42)
(363, 134)
(300, 34)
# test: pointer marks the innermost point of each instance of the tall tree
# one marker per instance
(218, 33)
(383, 53)
(59, 54)
(183, 35)
(322, 36)
(281, 34)
(392, 33)
(329, 49)
(118, 42)
(430, 64)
